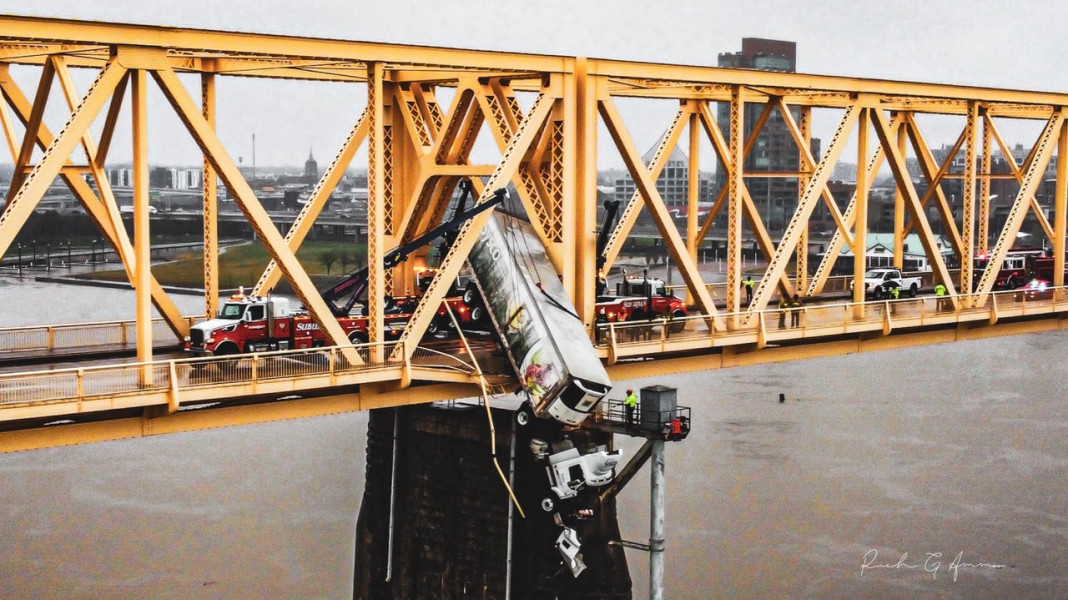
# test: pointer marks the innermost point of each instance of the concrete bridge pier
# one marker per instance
(451, 514)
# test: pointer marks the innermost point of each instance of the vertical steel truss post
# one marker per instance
(983, 229)
(860, 237)
(210, 195)
(142, 237)
(376, 201)
(734, 202)
(899, 206)
(693, 183)
(967, 233)
(805, 127)
(1060, 210)
(580, 180)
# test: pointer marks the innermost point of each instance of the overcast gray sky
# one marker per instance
(974, 42)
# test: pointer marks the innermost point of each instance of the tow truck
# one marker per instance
(636, 298)
(260, 324)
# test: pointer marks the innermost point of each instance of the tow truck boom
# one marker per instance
(354, 284)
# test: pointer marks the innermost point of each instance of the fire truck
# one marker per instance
(1015, 270)
(1041, 267)
(260, 324)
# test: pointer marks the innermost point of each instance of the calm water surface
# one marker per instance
(933, 451)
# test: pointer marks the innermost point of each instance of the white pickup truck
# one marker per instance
(879, 282)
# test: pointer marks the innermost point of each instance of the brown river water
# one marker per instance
(932, 472)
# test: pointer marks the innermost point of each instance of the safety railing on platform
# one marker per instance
(812, 320)
(75, 336)
(159, 376)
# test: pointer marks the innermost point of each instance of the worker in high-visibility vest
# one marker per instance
(748, 285)
(629, 404)
(784, 307)
(940, 293)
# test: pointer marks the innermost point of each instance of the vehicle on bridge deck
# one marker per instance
(1017, 269)
(544, 338)
(878, 283)
(1036, 289)
(255, 324)
(639, 299)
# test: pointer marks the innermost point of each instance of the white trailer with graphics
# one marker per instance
(543, 336)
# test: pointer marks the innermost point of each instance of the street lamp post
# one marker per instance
(19, 246)
(68, 255)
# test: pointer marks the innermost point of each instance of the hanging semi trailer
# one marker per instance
(543, 336)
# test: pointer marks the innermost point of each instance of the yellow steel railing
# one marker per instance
(826, 320)
(73, 336)
(132, 379)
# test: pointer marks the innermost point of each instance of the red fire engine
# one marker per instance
(1014, 271)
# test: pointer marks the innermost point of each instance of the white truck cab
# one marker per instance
(570, 471)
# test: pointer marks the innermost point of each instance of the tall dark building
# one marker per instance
(775, 149)
(311, 169)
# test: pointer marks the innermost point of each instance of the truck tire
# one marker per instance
(477, 313)
(547, 504)
(524, 415)
(677, 325)
(1011, 284)
(433, 328)
(877, 293)
(913, 290)
(358, 337)
(227, 349)
(471, 295)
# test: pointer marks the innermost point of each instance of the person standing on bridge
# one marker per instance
(795, 311)
(748, 285)
(784, 307)
(940, 294)
(629, 404)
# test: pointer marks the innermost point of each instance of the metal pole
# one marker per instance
(656, 522)
(511, 519)
(392, 496)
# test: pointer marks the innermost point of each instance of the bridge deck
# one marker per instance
(35, 398)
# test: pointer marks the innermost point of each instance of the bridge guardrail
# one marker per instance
(81, 335)
(159, 376)
(829, 319)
